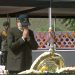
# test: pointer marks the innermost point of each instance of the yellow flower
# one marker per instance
(4, 33)
(44, 68)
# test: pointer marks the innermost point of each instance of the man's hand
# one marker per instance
(25, 33)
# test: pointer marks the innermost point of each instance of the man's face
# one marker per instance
(21, 27)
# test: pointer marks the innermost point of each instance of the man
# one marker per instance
(0, 48)
(4, 46)
(0, 39)
(20, 42)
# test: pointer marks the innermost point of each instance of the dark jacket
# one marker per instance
(19, 56)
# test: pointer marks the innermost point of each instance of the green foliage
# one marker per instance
(69, 23)
(65, 24)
